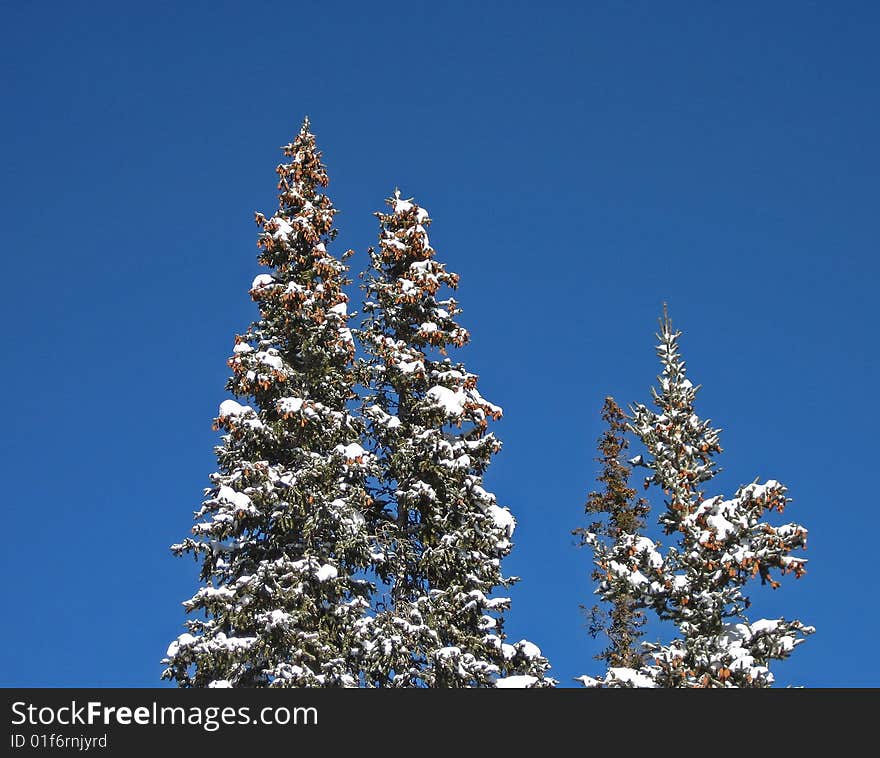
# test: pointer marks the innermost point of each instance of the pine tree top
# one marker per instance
(721, 544)
(406, 279)
(613, 537)
(281, 534)
(444, 535)
(617, 499)
(685, 444)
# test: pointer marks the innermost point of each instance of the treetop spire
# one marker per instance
(282, 535)
(720, 544)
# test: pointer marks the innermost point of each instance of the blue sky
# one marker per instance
(583, 163)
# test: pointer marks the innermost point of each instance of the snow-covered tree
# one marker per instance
(282, 535)
(720, 544)
(443, 536)
(619, 520)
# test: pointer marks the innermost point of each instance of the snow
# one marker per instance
(734, 634)
(451, 401)
(646, 546)
(736, 638)
(410, 367)
(277, 618)
(262, 280)
(423, 488)
(210, 593)
(242, 347)
(630, 676)
(503, 519)
(618, 568)
(220, 684)
(478, 398)
(284, 229)
(420, 230)
(232, 408)
(351, 451)
(184, 640)
(498, 602)
(480, 493)
(399, 361)
(637, 577)
(326, 572)
(519, 681)
(721, 525)
(757, 491)
(238, 499)
(764, 625)
(402, 206)
(405, 206)
(270, 359)
(289, 404)
(529, 649)
(340, 309)
(353, 518)
(389, 240)
(382, 418)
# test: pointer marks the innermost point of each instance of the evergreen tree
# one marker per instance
(281, 535)
(720, 545)
(443, 536)
(621, 519)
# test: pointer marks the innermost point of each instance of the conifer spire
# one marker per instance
(720, 545)
(443, 535)
(620, 519)
(281, 534)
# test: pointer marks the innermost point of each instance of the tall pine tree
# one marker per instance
(699, 583)
(620, 519)
(281, 535)
(443, 535)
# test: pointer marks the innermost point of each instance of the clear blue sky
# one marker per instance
(582, 161)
